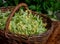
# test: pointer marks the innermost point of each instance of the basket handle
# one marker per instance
(12, 13)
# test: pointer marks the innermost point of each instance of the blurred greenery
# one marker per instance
(43, 6)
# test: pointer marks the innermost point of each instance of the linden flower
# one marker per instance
(27, 18)
(25, 23)
(23, 27)
(0, 24)
(44, 24)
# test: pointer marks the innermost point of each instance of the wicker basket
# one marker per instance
(52, 36)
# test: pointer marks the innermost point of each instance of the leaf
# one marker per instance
(1, 2)
(16, 2)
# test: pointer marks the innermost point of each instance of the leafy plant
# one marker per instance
(1, 2)
(43, 6)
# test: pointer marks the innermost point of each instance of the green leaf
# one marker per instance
(16, 2)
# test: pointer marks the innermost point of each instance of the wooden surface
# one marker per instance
(55, 36)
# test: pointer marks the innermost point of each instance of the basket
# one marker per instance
(9, 8)
(52, 36)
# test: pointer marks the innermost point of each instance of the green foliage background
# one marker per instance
(38, 5)
(43, 6)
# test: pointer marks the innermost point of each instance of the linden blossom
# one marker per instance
(3, 18)
(26, 24)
